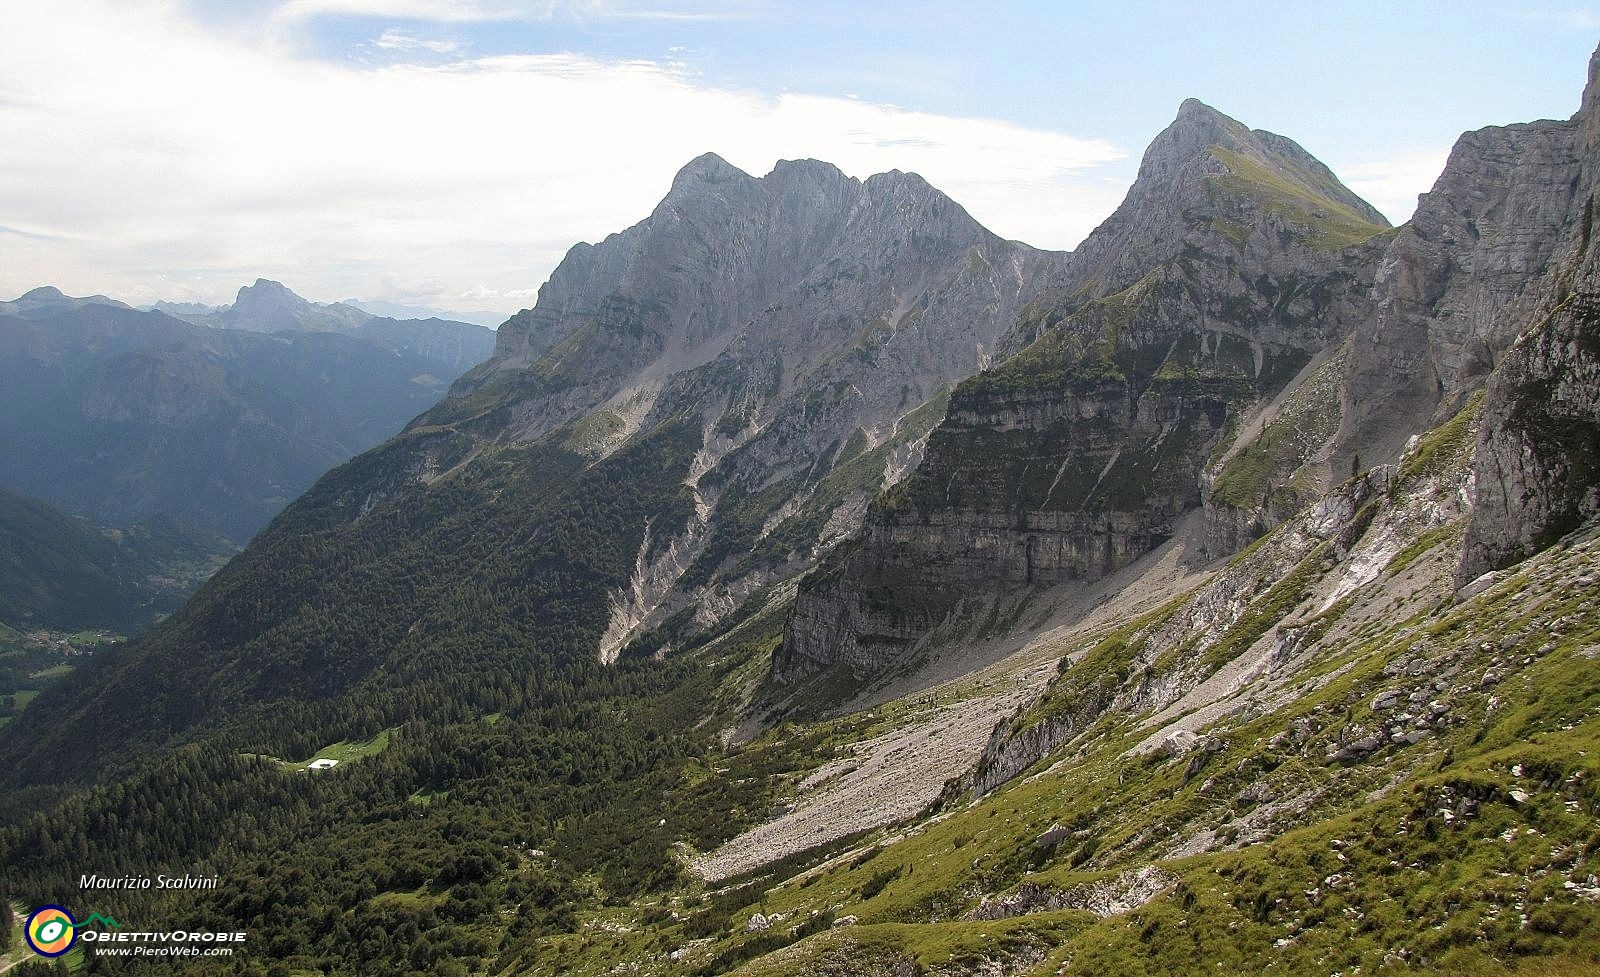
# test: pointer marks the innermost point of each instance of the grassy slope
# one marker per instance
(1299, 197)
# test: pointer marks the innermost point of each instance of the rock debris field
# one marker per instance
(881, 781)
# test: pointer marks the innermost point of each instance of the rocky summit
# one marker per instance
(814, 582)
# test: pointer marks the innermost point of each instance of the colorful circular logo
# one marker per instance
(51, 931)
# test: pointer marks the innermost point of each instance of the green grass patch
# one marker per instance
(1423, 544)
(345, 751)
(1298, 195)
(1448, 446)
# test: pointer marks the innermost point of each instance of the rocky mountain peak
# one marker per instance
(707, 169)
(1228, 263)
(1206, 182)
(806, 170)
(268, 287)
(1202, 138)
(718, 250)
(899, 181)
(1196, 128)
(270, 306)
(908, 202)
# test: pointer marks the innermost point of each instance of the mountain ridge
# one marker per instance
(66, 573)
(749, 392)
(123, 414)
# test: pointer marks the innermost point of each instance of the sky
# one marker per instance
(447, 153)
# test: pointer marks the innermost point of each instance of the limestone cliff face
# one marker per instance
(1455, 282)
(782, 273)
(1234, 260)
(1538, 456)
(1452, 290)
(827, 393)
(1538, 462)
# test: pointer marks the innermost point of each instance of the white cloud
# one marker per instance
(393, 288)
(1581, 19)
(488, 11)
(441, 11)
(398, 40)
(1392, 184)
(134, 144)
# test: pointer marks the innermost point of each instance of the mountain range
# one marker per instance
(122, 415)
(813, 581)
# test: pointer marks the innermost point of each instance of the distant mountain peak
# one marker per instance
(271, 306)
(708, 168)
(268, 285)
(44, 293)
(48, 299)
(265, 290)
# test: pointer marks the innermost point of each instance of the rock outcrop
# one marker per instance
(1538, 463)
(1453, 287)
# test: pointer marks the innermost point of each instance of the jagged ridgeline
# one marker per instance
(1237, 265)
(1216, 598)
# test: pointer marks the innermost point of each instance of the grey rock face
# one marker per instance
(1074, 456)
(1538, 457)
(1171, 207)
(269, 306)
(804, 321)
(1454, 284)
(717, 250)
(787, 271)
(1538, 460)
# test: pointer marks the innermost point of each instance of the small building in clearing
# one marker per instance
(323, 764)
